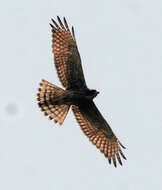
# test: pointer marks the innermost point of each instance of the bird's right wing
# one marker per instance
(98, 131)
(66, 55)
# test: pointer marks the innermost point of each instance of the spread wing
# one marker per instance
(98, 131)
(66, 56)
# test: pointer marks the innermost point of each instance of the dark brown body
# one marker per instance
(75, 97)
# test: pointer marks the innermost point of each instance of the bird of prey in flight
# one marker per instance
(55, 102)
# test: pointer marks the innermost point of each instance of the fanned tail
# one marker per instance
(48, 94)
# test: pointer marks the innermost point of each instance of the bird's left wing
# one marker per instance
(66, 55)
(98, 131)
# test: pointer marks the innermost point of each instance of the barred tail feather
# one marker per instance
(48, 93)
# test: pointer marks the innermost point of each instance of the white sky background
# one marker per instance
(120, 43)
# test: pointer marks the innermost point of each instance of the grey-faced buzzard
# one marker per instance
(55, 102)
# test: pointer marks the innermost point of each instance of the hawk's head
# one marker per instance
(93, 93)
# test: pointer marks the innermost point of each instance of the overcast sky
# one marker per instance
(120, 43)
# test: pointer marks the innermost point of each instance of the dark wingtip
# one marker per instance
(114, 161)
(60, 22)
(122, 145)
(51, 25)
(121, 153)
(119, 159)
(73, 31)
(64, 19)
(66, 24)
(54, 22)
(109, 160)
(58, 17)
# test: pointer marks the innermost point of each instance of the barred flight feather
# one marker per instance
(109, 147)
